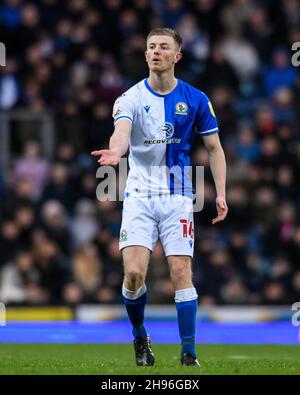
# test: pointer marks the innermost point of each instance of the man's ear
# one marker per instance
(178, 56)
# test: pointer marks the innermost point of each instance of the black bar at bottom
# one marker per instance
(133, 384)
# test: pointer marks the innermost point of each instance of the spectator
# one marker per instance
(9, 85)
(17, 278)
(133, 64)
(10, 241)
(86, 275)
(247, 148)
(32, 166)
(173, 11)
(10, 13)
(281, 73)
(21, 194)
(85, 225)
(241, 55)
(195, 42)
(26, 221)
(218, 72)
(49, 264)
(54, 224)
(59, 187)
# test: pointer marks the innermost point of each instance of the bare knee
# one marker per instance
(181, 273)
(135, 260)
(133, 279)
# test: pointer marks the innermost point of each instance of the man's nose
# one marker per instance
(156, 50)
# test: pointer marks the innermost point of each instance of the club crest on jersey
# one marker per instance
(181, 108)
(123, 235)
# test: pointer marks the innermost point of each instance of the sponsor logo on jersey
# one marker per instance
(147, 108)
(162, 141)
(181, 108)
(165, 131)
(211, 109)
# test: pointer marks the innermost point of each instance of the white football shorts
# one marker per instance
(168, 218)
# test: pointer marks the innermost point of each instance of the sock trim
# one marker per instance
(133, 295)
(185, 295)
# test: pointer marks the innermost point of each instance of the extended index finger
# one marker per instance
(219, 218)
(100, 152)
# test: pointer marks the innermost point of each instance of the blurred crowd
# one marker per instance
(58, 243)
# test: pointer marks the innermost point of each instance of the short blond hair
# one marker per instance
(166, 31)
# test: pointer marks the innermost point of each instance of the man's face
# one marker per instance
(162, 53)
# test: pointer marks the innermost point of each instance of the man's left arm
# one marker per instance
(218, 168)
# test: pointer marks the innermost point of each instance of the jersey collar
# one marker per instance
(158, 94)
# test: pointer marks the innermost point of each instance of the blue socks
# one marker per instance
(186, 306)
(135, 302)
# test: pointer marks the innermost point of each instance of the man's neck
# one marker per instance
(162, 83)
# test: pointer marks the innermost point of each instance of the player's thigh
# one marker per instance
(176, 228)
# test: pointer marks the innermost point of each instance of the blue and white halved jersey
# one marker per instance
(163, 128)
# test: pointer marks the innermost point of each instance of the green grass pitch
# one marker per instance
(110, 359)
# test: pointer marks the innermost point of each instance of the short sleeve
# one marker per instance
(123, 108)
(206, 121)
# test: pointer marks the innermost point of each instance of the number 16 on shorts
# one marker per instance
(187, 228)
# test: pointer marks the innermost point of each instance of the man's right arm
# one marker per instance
(118, 144)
